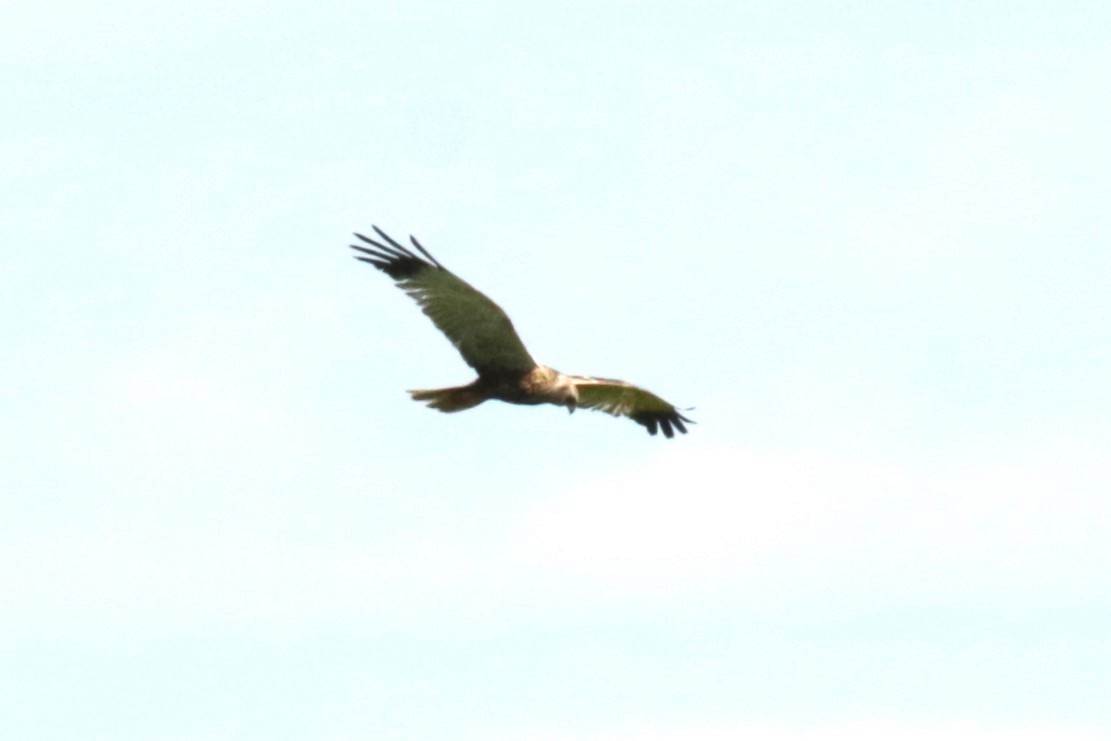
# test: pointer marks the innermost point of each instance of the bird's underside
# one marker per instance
(485, 337)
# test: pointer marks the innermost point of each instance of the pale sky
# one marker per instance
(868, 243)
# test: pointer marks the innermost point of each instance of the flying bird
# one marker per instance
(484, 336)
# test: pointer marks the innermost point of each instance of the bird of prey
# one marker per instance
(484, 336)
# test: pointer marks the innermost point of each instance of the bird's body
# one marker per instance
(540, 385)
(485, 337)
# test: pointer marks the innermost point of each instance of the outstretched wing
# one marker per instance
(626, 400)
(479, 329)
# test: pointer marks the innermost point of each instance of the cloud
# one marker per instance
(698, 518)
(784, 522)
(855, 731)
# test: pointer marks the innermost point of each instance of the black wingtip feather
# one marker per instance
(392, 258)
(398, 253)
(668, 422)
(425, 252)
(388, 238)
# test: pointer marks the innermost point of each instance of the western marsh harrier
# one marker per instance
(484, 336)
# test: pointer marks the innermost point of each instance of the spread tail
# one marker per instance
(454, 399)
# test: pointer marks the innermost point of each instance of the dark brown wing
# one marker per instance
(623, 399)
(479, 329)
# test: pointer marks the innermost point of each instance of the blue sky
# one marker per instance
(869, 243)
